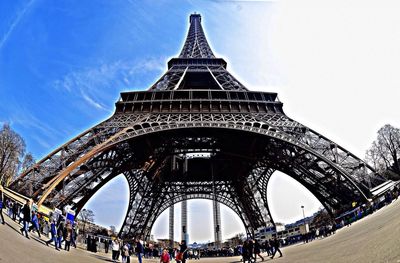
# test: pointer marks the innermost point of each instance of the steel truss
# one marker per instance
(245, 135)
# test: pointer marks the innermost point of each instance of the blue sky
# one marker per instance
(64, 63)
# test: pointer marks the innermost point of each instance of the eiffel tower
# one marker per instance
(197, 133)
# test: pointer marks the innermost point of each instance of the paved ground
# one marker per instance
(373, 239)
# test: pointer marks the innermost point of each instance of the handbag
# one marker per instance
(179, 256)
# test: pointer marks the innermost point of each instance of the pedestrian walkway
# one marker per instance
(372, 239)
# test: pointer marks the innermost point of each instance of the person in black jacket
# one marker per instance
(182, 249)
(26, 211)
(257, 251)
(2, 204)
(275, 244)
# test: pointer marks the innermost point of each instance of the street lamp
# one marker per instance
(304, 219)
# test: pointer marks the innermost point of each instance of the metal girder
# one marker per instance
(197, 107)
(312, 155)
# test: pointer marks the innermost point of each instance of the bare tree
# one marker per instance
(385, 150)
(86, 216)
(12, 149)
(27, 162)
(322, 218)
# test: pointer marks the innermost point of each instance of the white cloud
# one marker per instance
(45, 144)
(20, 14)
(93, 85)
(91, 101)
(25, 118)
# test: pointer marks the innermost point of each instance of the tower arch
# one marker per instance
(197, 108)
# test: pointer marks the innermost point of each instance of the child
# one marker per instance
(165, 257)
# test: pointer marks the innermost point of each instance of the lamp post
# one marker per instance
(304, 219)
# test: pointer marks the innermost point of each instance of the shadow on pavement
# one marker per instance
(101, 257)
(37, 239)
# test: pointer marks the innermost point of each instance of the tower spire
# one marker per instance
(196, 45)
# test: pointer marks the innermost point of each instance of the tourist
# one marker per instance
(26, 218)
(196, 254)
(267, 247)
(106, 245)
(251, 249)
(73, 236)
(115, 249)
(257, 251)
(275, 244)
(139, 250)
(182, 255)
(9, 207)
(246, 252)
(164, 258)
(35, 223)
(1, 207)
(125, 253)
(60, 233)
(15, 211)
(53, 233)
(67, 236)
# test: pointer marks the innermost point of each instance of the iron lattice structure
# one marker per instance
(197, 133)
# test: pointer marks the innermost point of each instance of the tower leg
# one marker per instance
(171, 226)
(217, 223)
(184, 222)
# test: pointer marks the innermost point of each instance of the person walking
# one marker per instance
(196, 254)
(35, 223)
(251, 250)
(60, 234)
(106, 245)
(267, 247)
(15, 211)
(114, 249)
(67, 236)
(1, 206)
(125, 253)
(139, 250)
(275, 244)
(73, 235)
(257, 251)
(164, 258)
(182, 255)
(26, 212)
(53, 233)
(246, 252)
(9, 205)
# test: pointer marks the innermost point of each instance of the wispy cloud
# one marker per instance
(93, 85)
(26, 119)
(20, 14)
(35, 130)
(42, 142)
(92, 101)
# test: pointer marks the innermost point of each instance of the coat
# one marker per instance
(26, 211)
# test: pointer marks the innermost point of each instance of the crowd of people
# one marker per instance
(60, 230)
(125, 249)
(64, 231)
(251, 249)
